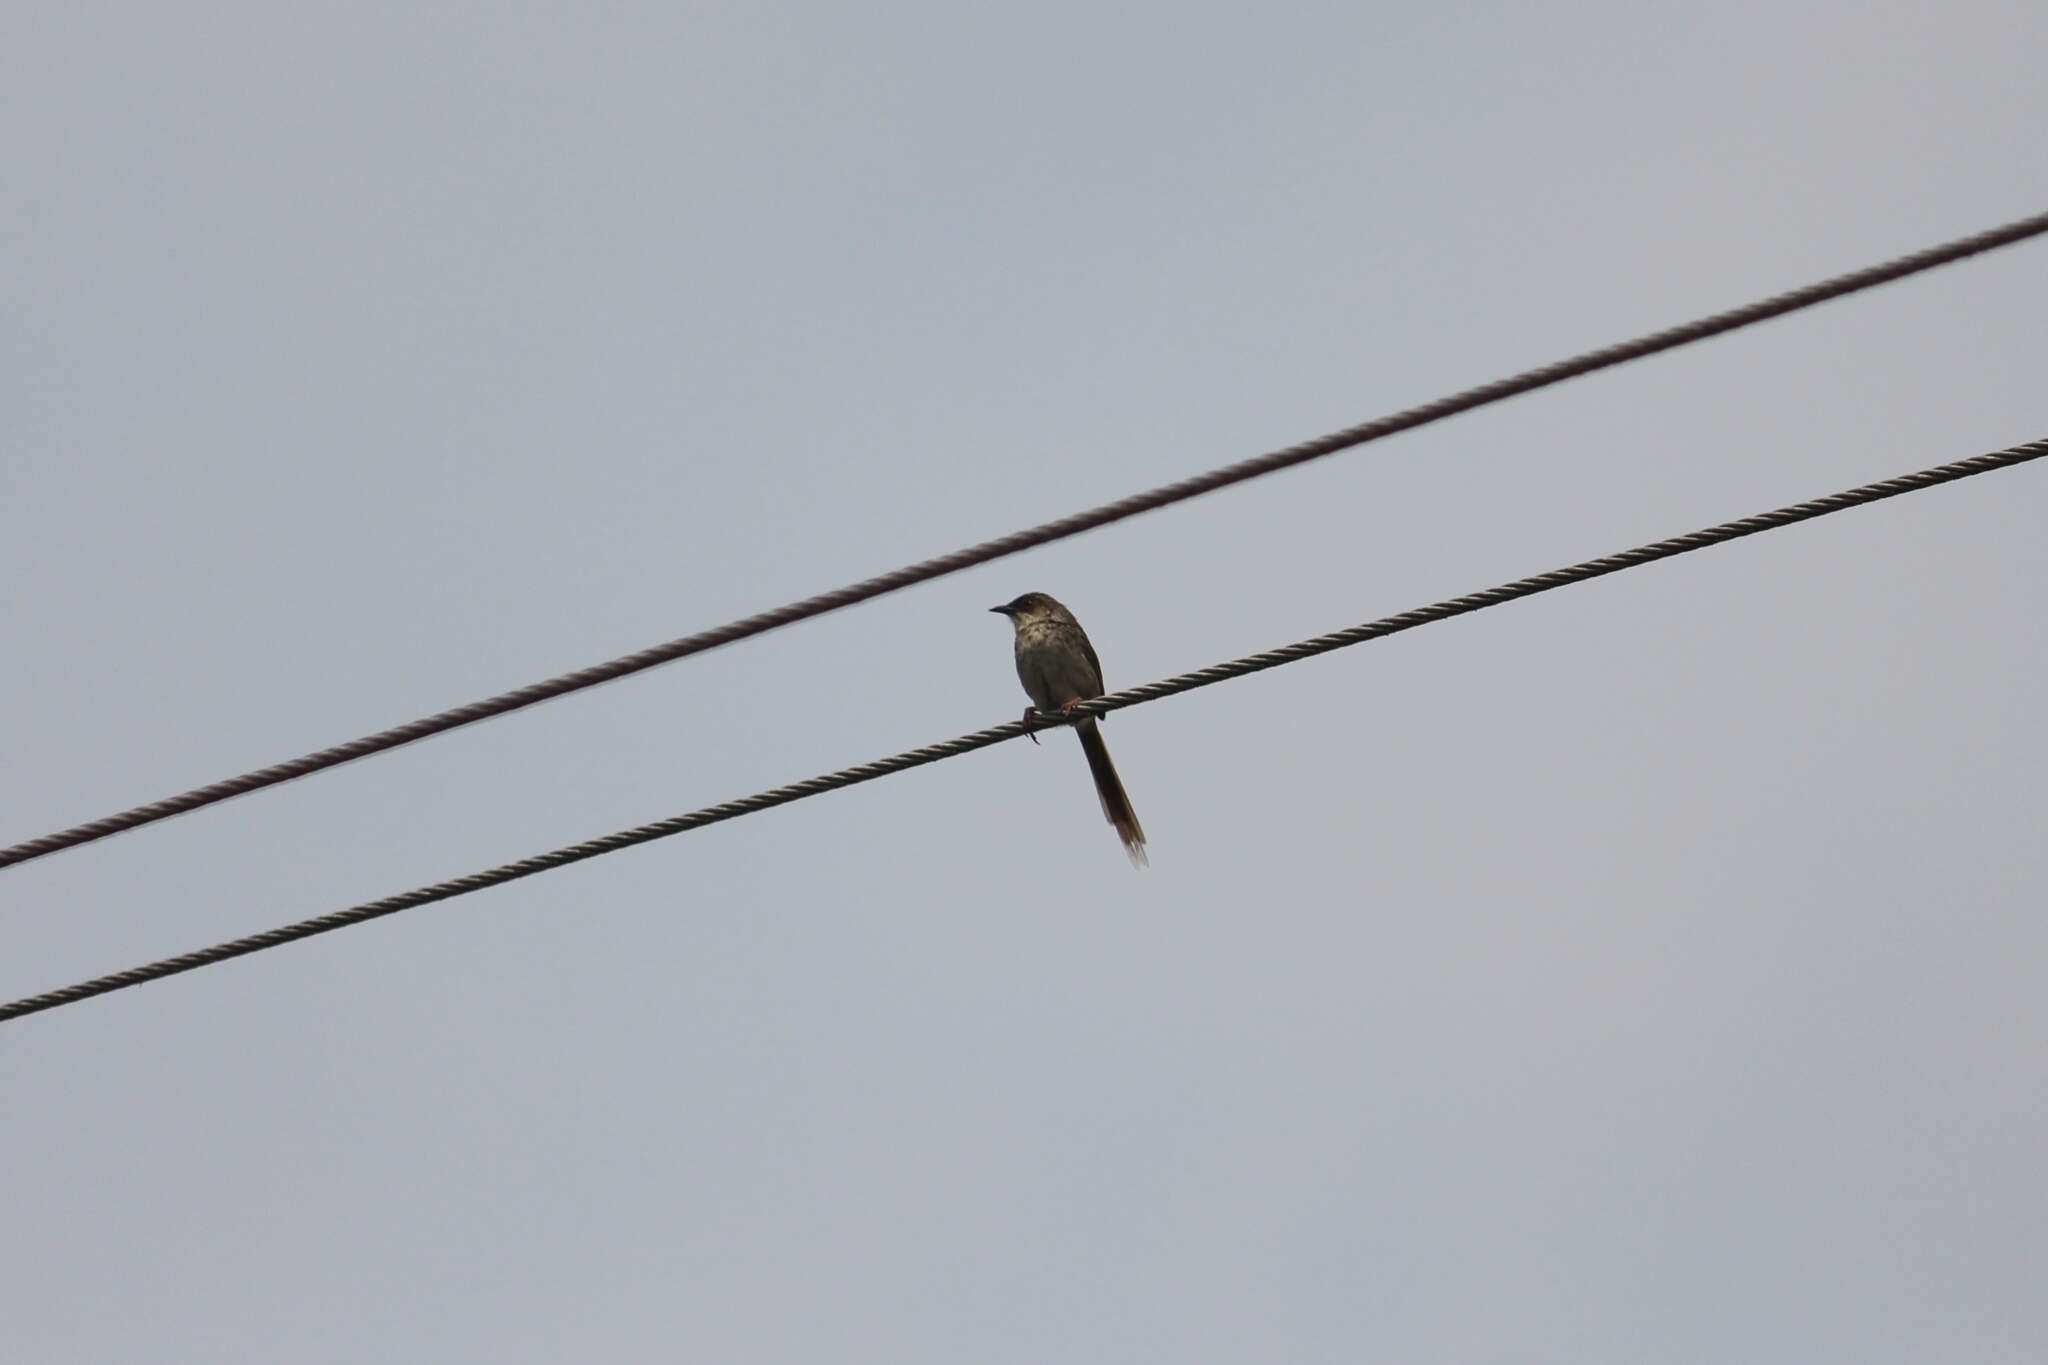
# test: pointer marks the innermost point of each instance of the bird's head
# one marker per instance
(1031, 607)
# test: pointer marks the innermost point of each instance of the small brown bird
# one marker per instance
(1058, 667)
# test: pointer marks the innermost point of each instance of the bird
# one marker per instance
(1058, 668)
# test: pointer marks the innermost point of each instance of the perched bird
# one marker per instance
(1058, 667)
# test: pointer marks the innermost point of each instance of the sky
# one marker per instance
(1646, 972)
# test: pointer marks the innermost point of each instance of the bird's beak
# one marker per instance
(1000, 611)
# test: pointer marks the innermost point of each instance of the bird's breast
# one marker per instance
(1053, 666)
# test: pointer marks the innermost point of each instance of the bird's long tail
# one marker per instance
(1116, 803)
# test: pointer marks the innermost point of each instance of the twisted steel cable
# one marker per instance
(981, 739)
(1408, 419)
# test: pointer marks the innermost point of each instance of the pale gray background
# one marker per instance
(1651, 972)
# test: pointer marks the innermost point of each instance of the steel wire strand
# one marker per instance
(1406, 420)
(980, 739)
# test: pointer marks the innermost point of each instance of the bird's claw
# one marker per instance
(1036, 719)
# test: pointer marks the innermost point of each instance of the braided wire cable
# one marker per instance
(981, 739)
(1529, 380)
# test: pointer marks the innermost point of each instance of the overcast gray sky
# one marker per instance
(1648, 972)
